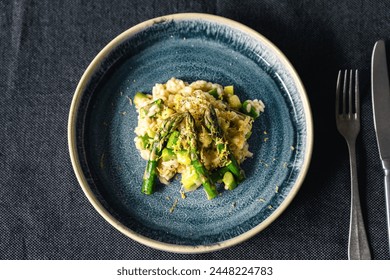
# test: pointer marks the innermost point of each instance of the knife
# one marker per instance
(381, 106)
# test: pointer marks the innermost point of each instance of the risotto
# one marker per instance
(199, 130)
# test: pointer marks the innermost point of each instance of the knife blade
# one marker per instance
(380, 89)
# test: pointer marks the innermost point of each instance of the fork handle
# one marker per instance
(358, 248)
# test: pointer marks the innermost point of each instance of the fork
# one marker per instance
(348, 124)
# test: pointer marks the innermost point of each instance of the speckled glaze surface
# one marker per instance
(189, 47)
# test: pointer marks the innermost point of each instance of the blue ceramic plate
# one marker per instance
(190, 47)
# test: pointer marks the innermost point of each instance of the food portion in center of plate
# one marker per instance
(199, 130)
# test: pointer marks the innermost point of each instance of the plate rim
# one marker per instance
(175, 248)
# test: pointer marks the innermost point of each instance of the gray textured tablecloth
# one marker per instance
(46, 45)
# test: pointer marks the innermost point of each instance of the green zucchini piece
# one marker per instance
(249, 108)
(229, 90)
(229, 181)
(139, 97)
(167, 154)
(234, 102)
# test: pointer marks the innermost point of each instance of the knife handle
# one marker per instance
(386, 167)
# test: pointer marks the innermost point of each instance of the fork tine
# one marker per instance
(338, 88)
(357, 97)
(350, 108)
(345, 92)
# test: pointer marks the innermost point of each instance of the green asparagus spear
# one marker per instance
(211, 121)
(159, 140)
(172, 140)
(217, 175)
(208, 184)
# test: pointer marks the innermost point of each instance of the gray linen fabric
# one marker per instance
(46, 45)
